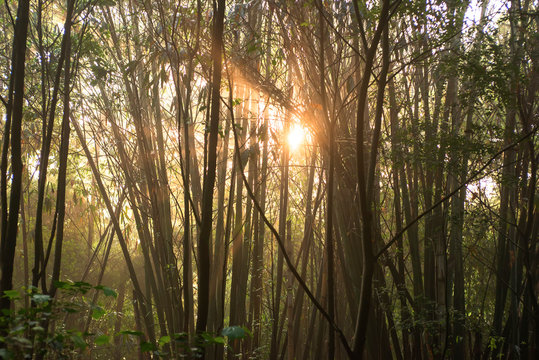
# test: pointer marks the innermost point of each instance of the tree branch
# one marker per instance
(456, 190)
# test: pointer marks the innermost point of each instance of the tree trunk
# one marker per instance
(12, 132)
(365, 182)
(209, 177)
(283, 211)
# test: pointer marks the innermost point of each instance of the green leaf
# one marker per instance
(22, 340)
(180, 337)
(78, 341)
(164, 340)
(146, 347)
(38, 328)
(17, 329)
(219, 340)
(107, 291)
(98, 312)
(210, 338)
(41, 298)
(78, 286)
(235, 332)
(82, 286)
(12, 294)
(102, 340)
(6, 354)
(62, 285)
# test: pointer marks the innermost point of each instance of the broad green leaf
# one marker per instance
(98, 312)
(22, 340)
(109, 292)
(212, 339)
(17, 329)
(164, 340)
(106, 290)
(234, 332)
(12, 294)
(41, 298)
(38, 329)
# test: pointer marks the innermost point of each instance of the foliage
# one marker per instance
(26, 327)
(436, 203)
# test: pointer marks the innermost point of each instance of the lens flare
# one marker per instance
(296, 137)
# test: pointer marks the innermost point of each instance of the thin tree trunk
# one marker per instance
(238, 237)
(257, 268)
(63, 153)
(290, 325)
(12, 133)
(305, 248)
(209, 178)
(44, 156)
(283, 211)
(365, 182)
(218, 251)
(330, 128)
(25, 249)
(118, 323)
(132, 273)
(398, 163)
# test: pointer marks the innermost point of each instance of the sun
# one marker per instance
(295, 137)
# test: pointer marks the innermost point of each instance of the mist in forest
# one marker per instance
(269, 179)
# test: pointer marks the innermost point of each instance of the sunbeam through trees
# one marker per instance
(269, 179)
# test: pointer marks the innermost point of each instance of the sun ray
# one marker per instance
(295, 137)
